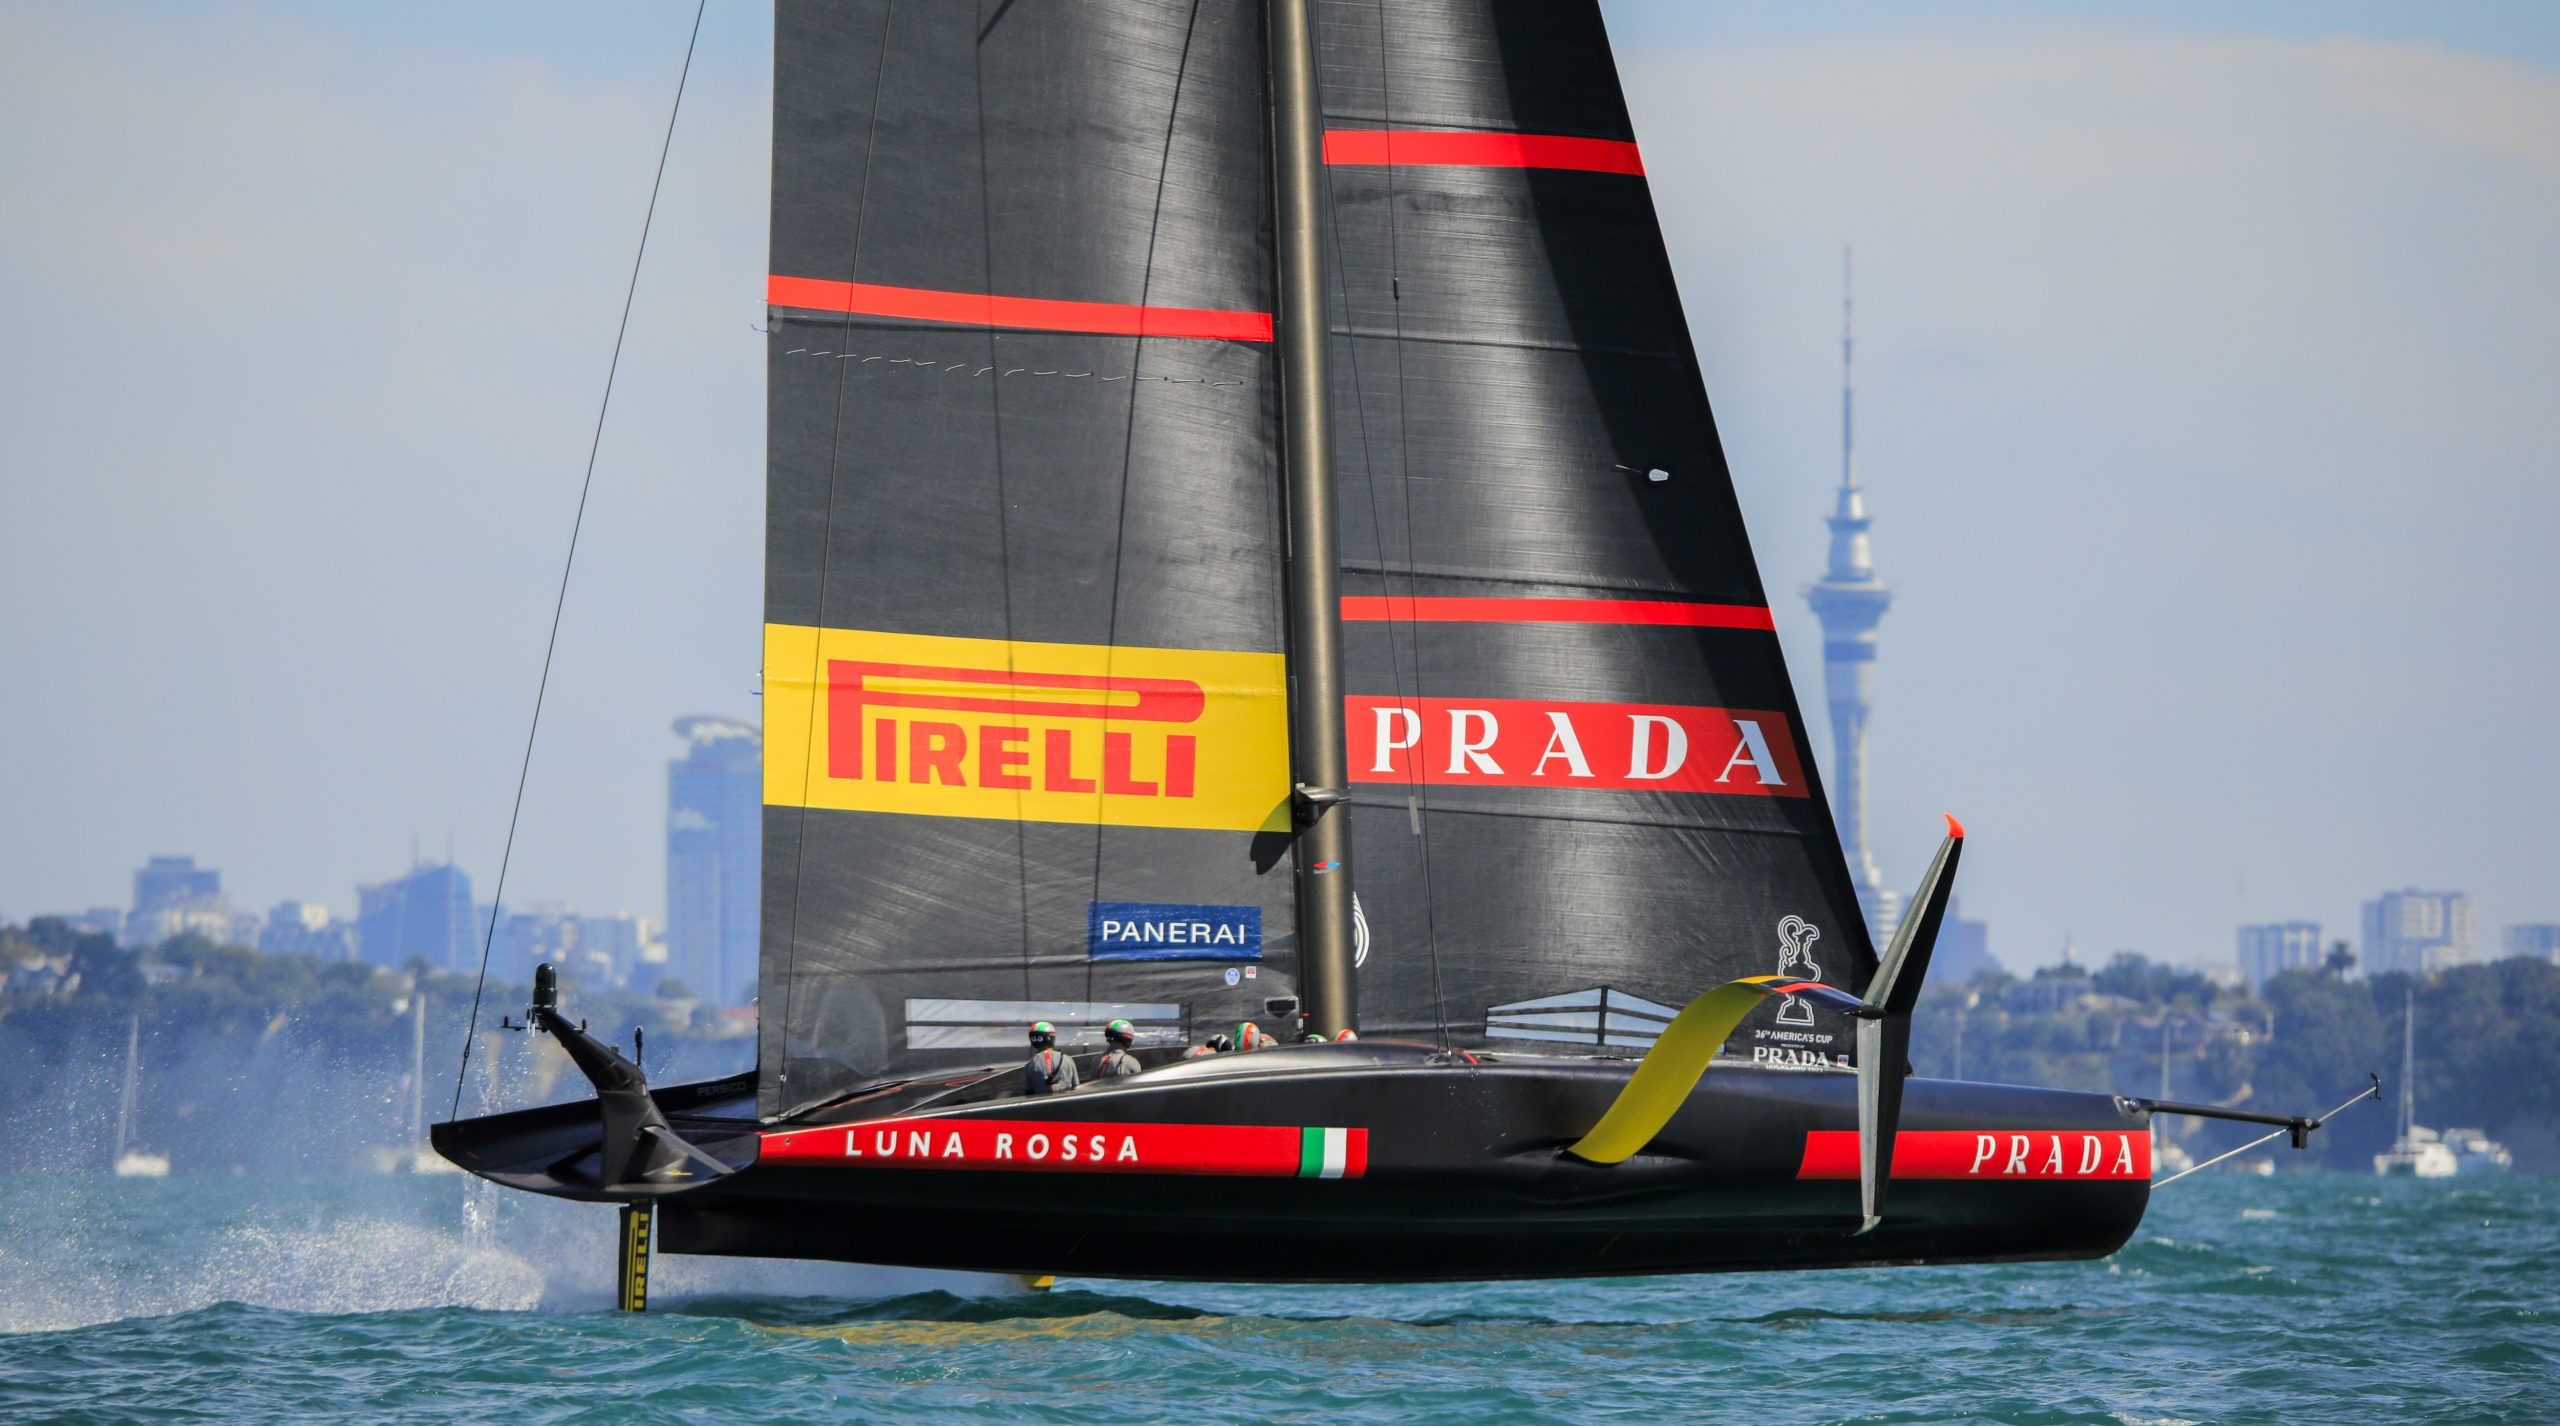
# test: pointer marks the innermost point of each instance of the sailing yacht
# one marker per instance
(2419, 1152)
(131, 1159)
(1248, 552)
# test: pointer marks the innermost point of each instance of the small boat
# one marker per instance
(130, 1159)
(1249, 553)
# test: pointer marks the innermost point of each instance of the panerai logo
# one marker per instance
(1524, 742)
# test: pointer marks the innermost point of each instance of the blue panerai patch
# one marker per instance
(1168, 931)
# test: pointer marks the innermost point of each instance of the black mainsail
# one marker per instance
(1578, 764)
(1047, 736)
(1027, 744)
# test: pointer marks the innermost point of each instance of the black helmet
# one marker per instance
(1221, 1044)
(1121, 1033)
(1043, 1034)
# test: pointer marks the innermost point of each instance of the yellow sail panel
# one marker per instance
(1013, 731)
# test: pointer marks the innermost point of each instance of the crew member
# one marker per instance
(1118, 1062)
(1048, 1071)
(1249, 1036)
(1348, 1034)
(1215, 1045)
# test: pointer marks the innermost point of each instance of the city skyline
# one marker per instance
(2169, 500)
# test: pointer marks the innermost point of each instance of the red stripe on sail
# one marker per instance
(1431, 609)
(1043, 314)
(1427, 148)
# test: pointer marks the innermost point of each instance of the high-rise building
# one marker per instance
(621, 948)
(171, 896)
(1963, 953)
(425, 915)
(2416, 932)
(715, 839)
(2271, 948)
(305, 928)
(2539, 941)
(1850, 600)
(174, 881)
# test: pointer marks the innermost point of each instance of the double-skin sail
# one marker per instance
(1027, 733)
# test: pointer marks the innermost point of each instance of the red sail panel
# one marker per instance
(1444, 609)
(1415, 148)
(1038, 314)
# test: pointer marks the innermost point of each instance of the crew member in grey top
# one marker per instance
(1048, 1071)
(1118, 1062)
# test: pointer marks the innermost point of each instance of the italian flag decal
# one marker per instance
(1326, 1153)
(1047, 1146)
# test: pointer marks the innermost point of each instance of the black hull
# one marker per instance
(1463, 1176)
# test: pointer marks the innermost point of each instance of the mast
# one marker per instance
(125, 1101)
(417, 1067)
(2408, 1065)
(1318, 745)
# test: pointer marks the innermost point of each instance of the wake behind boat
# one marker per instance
(1182, 454)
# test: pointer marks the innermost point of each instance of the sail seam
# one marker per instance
(1508, 343)
(1039, 314)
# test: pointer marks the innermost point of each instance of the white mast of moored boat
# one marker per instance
(131, 1162)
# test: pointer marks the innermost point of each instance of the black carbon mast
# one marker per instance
(1319, 760)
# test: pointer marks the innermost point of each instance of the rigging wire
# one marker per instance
(560, 602)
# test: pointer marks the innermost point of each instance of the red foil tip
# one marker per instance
(1955, 828)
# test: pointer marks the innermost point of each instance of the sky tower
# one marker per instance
(1850, 601)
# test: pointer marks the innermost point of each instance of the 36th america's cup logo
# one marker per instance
(1796, 936)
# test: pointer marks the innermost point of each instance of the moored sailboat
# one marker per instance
(2420, 1152)
(1198, 433)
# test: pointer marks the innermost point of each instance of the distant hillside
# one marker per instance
(259, 1061)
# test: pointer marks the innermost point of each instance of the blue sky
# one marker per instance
(2206, 353)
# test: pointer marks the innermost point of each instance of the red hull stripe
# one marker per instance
(1430, 609)
(1425, 148)
(1041, 314)
(1041, 1146)
(2016, 1155)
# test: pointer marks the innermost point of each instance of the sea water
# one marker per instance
(2298, 1298)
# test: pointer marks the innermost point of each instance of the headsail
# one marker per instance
(1582, 781)
(1026, 748)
